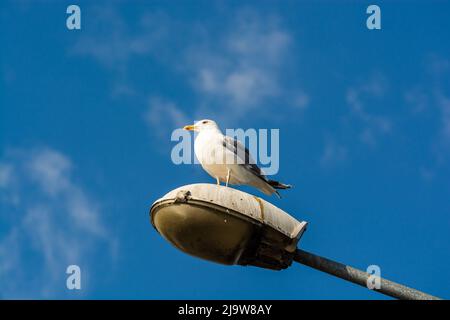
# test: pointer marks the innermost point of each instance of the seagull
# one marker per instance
(228, 160)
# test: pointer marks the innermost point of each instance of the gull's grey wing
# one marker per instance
(243, 156)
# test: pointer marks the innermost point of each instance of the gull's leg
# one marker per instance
(218, 181)
(228, 177)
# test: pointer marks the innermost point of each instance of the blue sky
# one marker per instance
(86, 117)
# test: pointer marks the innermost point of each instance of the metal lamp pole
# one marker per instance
(359, 277)
(239, 228)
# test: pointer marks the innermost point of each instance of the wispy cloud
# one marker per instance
(333, 154)
(437, 65)
(241, 68)
(361, 116)
(433, 97)
(301, 100)
(417, 98)
(242, 64)
(8, 184)
(162, 116)
(50, 170)
(443, 103)
(113, 43)
(372, 125)
(5, 175)
(55, 224)
(232, 72)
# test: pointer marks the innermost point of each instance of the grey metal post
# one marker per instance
(359, 277)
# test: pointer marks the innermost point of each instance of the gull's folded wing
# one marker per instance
(242, 155)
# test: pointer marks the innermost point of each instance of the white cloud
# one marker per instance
(437, 65)
(9, 253)
(113, 43)
(56, 224)
(240, 68)
(333, 153)
(418, 99)
(439, 94)
(8, 192)
(51, 170)
(5, 175)
(370, 126)
(443, 103)
(301, 100)
(373, 125)
(236, 70)
(432, 96)
(162, 116)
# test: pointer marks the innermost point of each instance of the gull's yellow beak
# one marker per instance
(190, 127)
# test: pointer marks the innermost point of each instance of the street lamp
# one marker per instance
(228, 226)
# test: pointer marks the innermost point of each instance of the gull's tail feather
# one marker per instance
(278, 185)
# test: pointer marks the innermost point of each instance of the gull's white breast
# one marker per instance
(214, 156)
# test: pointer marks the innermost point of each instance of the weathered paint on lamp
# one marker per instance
(227, 226)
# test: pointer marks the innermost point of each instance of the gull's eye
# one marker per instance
(205, 122)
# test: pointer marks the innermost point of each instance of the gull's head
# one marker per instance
(202, 125)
